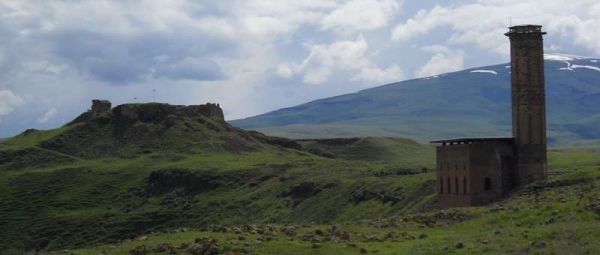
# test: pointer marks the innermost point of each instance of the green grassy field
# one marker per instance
(558, 216)
(203, 186)
(64, 189)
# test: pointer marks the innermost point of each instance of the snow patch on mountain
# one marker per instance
(566, 58)
(485, 71)
(562, 57)
(595, 68)
(431, 77)
(555, 57)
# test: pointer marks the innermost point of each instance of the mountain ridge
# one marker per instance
(471, 102)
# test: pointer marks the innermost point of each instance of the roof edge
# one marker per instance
(481, 139)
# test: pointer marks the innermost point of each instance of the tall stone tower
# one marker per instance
(528, 102)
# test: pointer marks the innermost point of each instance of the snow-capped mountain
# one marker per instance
(472, 102)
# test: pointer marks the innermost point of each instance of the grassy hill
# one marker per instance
(181, 183)
(105, 179)
(468, 103)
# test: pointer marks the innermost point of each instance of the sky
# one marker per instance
(252, 56)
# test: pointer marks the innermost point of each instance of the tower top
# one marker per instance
(525, 29)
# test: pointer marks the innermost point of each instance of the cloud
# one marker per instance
(483, 23)
(48, 115)
(8, 102)
(442, 61)
(190, 69)
(361, 15)
(251, 56)
(123, 60)
(373, 73)
(118, 43)
(324, 59)
(268, 21)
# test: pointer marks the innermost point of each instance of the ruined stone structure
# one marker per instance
(149, 112)
(477, 171)
(99, 106)
(210, 110)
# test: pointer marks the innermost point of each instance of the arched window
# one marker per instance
(487, 184)
(456, 185)
(441, 185)
(464, 185)
(449, 187)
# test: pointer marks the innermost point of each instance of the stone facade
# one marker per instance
(474, 171)
(477, 171)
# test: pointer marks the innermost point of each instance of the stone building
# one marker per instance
(477, 171)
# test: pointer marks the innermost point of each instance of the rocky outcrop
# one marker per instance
(205, 246)
(151, 112)
(362, 195)
(157, 112)
(98, 107)
(303, 190)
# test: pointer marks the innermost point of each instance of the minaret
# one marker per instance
(528, 101)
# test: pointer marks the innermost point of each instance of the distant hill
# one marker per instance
(474, 102)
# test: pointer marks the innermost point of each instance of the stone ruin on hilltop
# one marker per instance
(149, 111)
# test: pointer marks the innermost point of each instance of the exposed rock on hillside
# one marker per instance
(151, 112)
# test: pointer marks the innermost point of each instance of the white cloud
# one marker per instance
(324, 59)
(48, 115)
(483, 23)
(285, 70)
(266, 21)
(443, 60)
(8, 102)
(361, 15)
(370, 74)
(228, 51)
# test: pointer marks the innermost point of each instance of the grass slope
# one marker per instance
(169, 179)
(558, 216)
(88, 194)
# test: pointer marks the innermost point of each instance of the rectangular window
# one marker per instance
(487, 185)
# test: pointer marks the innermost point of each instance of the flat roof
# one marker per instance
(458, 140)
(525, 29)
